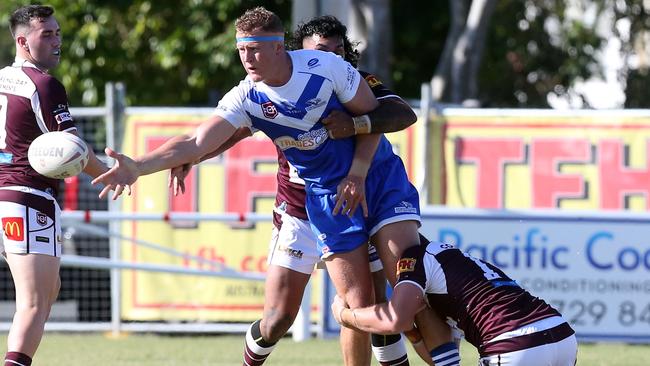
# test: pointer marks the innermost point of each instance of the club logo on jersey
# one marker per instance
(14, 228)
(269, 110)
(41, 218)
(406, 265)
(312, 63)
(310, 140)
(406, 207)
(372, 81)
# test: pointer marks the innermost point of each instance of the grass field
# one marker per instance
(162, 350)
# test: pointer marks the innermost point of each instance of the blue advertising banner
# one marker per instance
(593, 267)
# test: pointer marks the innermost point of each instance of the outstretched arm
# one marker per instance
(94, 167)
(177, 174)
(177, 151)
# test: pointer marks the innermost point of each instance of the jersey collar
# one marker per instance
(21, 62)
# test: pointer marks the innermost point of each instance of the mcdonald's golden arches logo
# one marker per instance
(14, 228)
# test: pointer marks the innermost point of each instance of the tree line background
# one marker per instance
(508, 53)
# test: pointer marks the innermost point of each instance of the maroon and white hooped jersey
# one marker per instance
(290, 196)
(32, 102)
(482, 300)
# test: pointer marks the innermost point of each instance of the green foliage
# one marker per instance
(182, 52)
(166, 52)
(522, 61)
(420, 28)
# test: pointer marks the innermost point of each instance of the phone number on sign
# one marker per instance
(586, 313)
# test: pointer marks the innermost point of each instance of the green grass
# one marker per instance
(59, 349)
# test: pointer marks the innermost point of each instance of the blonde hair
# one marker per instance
(259, 19)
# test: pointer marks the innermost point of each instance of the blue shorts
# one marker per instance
(390, 197)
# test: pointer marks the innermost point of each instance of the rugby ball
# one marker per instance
(58, 154)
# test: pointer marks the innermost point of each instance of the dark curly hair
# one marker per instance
(325, 26)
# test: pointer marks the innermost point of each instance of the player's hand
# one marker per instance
(351, 193)
(338, 305)
(177, 178)
(417, 342)
(339, 124)
(120, 177)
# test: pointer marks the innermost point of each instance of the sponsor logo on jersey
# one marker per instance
(61, 113)
(63, 117)
(60, 108)
(372, 81)
(406, 207)
(14, 228)
(352, 76)
(291, 252)
(42, 239)
(313, 63)
(6, 158)
(41, 218)
(406, 265)
(314, 103)
(269, 110)
(309, 140)
(290, 109)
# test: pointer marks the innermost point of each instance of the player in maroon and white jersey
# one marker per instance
(32, 102)
(507, 324)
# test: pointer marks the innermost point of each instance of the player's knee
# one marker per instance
(55, 292)
(275, 327)
(37, 310)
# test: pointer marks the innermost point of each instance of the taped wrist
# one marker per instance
(362, 124)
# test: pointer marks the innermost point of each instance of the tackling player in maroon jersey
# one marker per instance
(506, 324)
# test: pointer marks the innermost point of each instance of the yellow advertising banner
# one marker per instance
(508, 159)
(242, 180)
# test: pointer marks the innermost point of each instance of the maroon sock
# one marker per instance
(17, 359)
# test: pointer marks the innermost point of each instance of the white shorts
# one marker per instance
(294, 247)
(30, 221)
(560, 353)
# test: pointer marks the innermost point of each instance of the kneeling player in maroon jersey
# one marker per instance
(507, 324)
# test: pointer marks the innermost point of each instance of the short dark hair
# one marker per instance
(259, 19)
(325, 26)
(24, 15)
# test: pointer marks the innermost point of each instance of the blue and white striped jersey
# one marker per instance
(291, 116)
